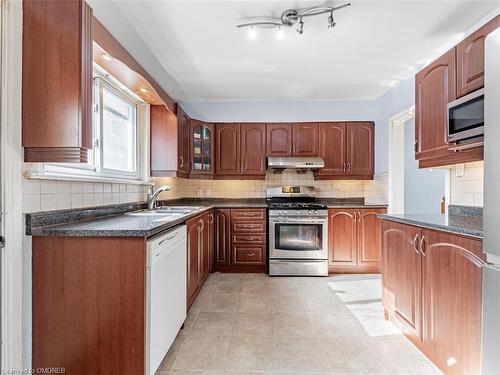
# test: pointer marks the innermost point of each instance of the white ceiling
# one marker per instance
(195, 52)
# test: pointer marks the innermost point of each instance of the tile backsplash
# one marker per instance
(48, 195)
(373, 191)
(467, 190)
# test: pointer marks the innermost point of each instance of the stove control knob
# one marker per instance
(310, 212)
(298, 212)
(315, 212)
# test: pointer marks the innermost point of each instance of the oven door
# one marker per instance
(298, 238)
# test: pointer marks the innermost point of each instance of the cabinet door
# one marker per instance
(279, 139)
(342, 237)
(202, 148)
(360, 149)
(183, 142)
(222, 243)
(228, 149)
(57, 81)
(434, 89)
(253, 149)
(206, 247)
(401, 277)
(332, 141)
(452, 274)
(193, 228)
(369, 245)
(163, 141)
(305, 139)
(470, 59)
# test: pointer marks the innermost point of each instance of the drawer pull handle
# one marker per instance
(249, 238)
(250, 254)
(248, 214)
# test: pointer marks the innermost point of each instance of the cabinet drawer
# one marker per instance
(248, 255)
(245, 228)
(249, 239)
(248, 214)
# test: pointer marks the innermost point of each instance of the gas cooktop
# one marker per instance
(296, 205)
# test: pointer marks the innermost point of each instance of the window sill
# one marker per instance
(83, 178)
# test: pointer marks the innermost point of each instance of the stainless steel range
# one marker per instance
(298, 232)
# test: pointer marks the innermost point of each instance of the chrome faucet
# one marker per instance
(152, 195)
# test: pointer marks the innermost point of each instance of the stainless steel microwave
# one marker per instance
(466, 117)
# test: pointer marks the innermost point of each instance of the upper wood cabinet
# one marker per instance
(434, 89)
(228, 149)
(279, 139)
(348, 150)
(57, 81)
(470, 59)
(305, 139)
(202, 149)
(299, 139)
(354, 239)
(241, 150)
(360, 150)
(183, 147)
(163, 141)
(253, 149)
(332, 148)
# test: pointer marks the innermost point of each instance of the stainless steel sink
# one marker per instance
(166, 211)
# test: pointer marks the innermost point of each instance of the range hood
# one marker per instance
(295, 163)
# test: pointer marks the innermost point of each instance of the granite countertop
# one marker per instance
(462, 220)
(113, 221)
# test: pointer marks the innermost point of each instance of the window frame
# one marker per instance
(94, 171)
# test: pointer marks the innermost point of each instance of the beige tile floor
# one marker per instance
(254, 324)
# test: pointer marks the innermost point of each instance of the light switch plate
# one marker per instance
(460, 170)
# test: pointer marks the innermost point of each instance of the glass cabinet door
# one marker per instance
(202, 149)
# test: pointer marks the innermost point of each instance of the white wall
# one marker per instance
(397, 99)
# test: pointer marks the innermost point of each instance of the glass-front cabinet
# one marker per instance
(202, 148)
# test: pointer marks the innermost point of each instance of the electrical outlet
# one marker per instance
(460, 170)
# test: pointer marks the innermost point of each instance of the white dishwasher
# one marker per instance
(166, 293)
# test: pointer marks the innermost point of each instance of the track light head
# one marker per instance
(331, 21)
(300, 29)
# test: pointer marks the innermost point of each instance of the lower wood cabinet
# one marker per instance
(200, 248)
(432, 290)
(240, 240)
(354, 240)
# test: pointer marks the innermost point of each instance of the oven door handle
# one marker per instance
(294, 221)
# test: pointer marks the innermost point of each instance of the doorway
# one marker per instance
(411, 190)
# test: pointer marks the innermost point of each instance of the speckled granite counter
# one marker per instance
(349, 203)
(218, 202)
(460, 220)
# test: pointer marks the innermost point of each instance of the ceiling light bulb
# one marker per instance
(106, 57)
(331, 21)
(142, 89)
(280, 34)
(252, 34)
(300, 29)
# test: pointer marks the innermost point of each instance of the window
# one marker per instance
(117, 151)
(116, 131)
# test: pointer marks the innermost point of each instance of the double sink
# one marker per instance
(167, 213)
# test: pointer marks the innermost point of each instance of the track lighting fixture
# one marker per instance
(292, 16)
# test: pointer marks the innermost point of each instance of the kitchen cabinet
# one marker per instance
(202, 149)
(470, 59)
(279, 139)
(332, 149)
(432, 289)
(299, 139)
(435, 87)
(402, 277)
(57, 81)
(222, 233)
(199, 257)
(240, 151)
(354, 240)
(240, 240)
(228, 149)
(165, 147)
(348, 150)
(183, 147)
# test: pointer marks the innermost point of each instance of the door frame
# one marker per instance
(11, 164)
(396, 160)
